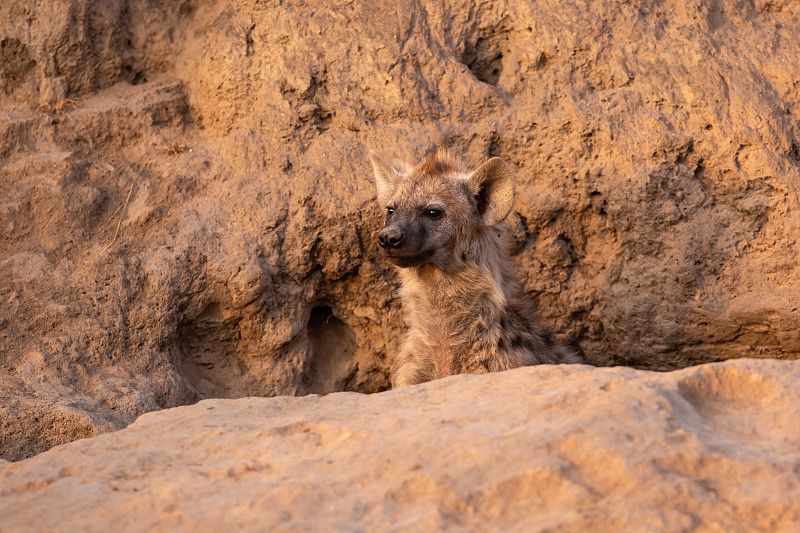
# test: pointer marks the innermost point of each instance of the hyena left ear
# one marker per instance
(493, 188)
(386, 177)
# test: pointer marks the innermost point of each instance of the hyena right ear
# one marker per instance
(493, 188)
(386, 177)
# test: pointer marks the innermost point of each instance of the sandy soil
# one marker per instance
(187, 211)
(570, 448)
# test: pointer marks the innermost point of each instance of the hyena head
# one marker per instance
(433, 209)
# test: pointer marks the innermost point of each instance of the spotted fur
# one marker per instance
(465, 310)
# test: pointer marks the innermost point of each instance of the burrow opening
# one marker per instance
(332, 364)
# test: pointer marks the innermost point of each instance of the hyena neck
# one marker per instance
(474, 295)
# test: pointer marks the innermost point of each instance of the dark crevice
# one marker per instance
(332, 366)
(484, 59)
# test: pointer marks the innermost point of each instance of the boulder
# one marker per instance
(187, 211)
(550, 448)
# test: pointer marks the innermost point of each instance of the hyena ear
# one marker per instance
(386, 177)
(493, 188)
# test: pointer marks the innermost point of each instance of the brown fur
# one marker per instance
(465, 311)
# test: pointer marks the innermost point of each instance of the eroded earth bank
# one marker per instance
(187, 211)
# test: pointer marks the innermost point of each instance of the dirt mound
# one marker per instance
(188, 212)
(571, 448)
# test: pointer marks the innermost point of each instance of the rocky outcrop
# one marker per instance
(570, 448)
(187, 211)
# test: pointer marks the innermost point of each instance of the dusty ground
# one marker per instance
(571, 448)
(187, 212)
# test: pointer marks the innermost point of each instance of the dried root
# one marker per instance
(172, 148)
(59, 106)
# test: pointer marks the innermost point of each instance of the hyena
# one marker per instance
(465, 311)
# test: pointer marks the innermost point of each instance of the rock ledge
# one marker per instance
(567, 448)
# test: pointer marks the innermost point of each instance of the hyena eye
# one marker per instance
(389, 210)
(433, 213)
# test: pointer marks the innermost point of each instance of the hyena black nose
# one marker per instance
(390, 237)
